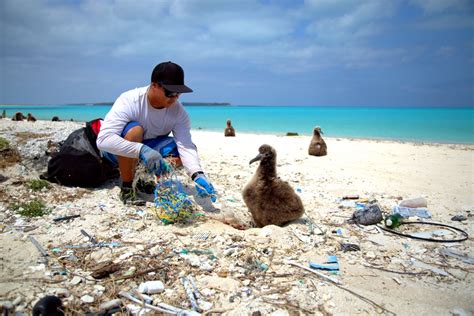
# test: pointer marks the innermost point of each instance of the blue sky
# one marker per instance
(247, 52)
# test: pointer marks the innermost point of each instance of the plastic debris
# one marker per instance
(164, 308)
(414, 203)
(369, 215)
(106, 306)
(43, 252)
(351, 197)
(65, 218)
(410, 212)
(91, 239)
(457, 254)
(426, 266)
(151, 287)
(459, 218)
(172, 204)
(191, 293)
(322, 276)
(331, 264)
(98, 245)
(345, 247)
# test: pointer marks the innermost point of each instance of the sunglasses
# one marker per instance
(170, 94)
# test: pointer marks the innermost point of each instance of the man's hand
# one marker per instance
(154, 161)
(204, 187)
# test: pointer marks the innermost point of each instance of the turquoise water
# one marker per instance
(445, 125)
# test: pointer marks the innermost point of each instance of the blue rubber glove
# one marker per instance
(204, 187)
(154, 161)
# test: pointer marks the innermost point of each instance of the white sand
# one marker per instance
(382, 170)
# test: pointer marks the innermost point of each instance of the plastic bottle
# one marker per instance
(393, 221)
(410, 211)
(151, 287)
(415, 202)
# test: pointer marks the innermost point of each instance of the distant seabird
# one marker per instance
(229, 130)
(30, 118)
(18, 116)
(317, 147)
(270, 200)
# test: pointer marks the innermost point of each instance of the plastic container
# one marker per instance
(151, 287)
(393, 221)
(410, 212)
(415, 202)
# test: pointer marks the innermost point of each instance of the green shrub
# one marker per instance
(4, 144)
(37, 185)
(33, 208)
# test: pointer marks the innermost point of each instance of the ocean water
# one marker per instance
(443, 125)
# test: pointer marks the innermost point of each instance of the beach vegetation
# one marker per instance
(33, 208)
(4, 144)
(24, 137)
(8, 155)
(38, 185)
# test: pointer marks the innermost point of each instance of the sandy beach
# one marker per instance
(246, 271)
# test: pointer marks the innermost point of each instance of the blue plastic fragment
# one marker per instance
(332, 259)
(329, 267)
(360, 206)
(332, 265)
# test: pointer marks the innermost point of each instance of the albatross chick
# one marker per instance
(270, 200)
(317, 147)
(229, 130)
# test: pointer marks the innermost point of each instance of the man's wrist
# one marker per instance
(196, 174)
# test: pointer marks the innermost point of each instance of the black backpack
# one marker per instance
(78, 162)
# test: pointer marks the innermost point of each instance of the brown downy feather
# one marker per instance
(30, 118)
(270, 200)
(317, 147)
(229, 130)
(18, 116)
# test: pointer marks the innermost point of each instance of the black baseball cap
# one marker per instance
(170, 76)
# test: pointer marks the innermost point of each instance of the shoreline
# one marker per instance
(401, 141)
(283, 134)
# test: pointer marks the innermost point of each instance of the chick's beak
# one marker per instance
(257, 158)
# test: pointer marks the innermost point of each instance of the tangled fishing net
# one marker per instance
(172, 204)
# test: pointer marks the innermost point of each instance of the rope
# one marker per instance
(466, 236)
(171, 201)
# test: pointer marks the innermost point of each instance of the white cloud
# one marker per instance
(364, 20)
(251, 30)
(447, 21)
(442, 6)
(446, 51)
(268, 36)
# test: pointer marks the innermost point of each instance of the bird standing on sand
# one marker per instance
(18, 116)
(318, 146)
(229, 130)
(30, 118)
(270, 200)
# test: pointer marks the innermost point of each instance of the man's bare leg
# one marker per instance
(127, 166)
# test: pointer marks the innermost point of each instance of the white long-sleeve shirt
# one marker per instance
(133, 105)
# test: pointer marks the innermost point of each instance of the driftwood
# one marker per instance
(103, 270)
